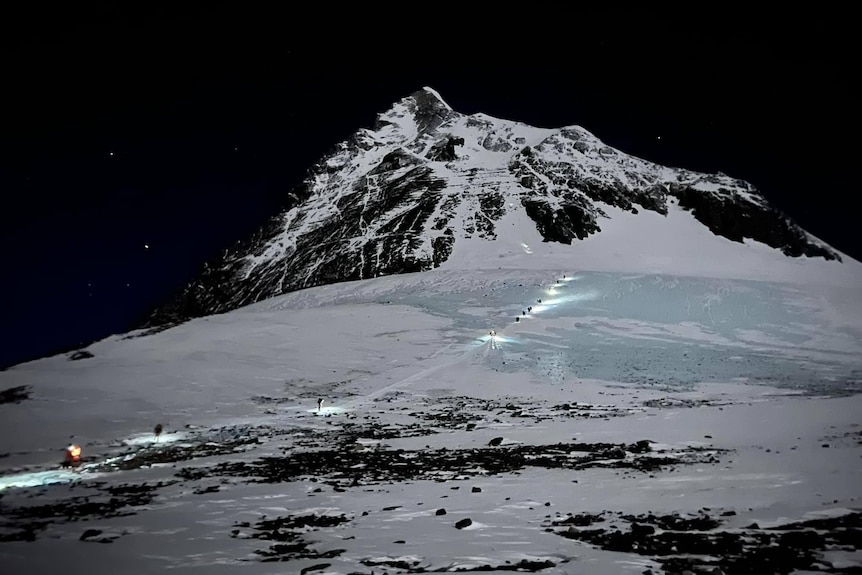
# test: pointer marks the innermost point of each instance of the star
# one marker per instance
(146, 246)
(110, 153)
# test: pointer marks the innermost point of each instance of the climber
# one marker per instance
(72, 456)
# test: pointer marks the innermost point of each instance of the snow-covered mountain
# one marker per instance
(672, 394)
(429, 187)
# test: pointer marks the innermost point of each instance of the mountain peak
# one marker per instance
(431, 97)
(429, 187)
(423, 110)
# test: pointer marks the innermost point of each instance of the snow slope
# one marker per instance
(536, 436)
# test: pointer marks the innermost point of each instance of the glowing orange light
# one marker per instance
(74, 451)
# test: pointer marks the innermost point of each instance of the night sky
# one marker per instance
(136, 143)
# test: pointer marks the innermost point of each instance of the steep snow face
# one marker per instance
(427, 187)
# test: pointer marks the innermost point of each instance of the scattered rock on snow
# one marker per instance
(15, 394)
(466, 522)
(90, 533)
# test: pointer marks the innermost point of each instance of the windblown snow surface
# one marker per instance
(656, 399)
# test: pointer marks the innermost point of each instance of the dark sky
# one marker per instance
(135, 126)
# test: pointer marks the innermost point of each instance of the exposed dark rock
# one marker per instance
(208, 489)
(169, 453)
(682, 402)
(94, 536)
(313, 568)
(572, 221)
(528, 565)
(442, 249)
(466, 522)
(111, 501)
(288, 532)
(80, 354)
(428, 110)
(639, 530)
(402, 564)
(642, 446)
(616, 453)
(444, 150)
(695, 545)
(414, 566)
(566, 180)
(349, 468)
(28, 531)
(736, 219)
(15, 394)
(90, 533)
(676, 522)
(580, 520)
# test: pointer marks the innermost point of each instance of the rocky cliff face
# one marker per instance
(401, 196)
